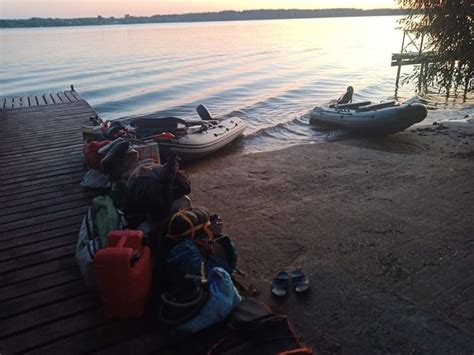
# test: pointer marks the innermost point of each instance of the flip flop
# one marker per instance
(300, 281)
(280, 284)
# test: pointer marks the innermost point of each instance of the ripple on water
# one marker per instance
(269, 73)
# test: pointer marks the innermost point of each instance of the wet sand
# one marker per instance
(383, 227)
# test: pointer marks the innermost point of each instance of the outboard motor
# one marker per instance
(204, 113)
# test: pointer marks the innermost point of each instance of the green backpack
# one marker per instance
(101, 218)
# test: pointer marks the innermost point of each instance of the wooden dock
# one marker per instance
(65, 97)
(44, 305)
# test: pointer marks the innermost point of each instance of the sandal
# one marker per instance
(280, 284)
(300, 281)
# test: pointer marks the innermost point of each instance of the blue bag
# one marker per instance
(223, 299)
(186, 257)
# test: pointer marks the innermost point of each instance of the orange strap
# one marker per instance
(300, 351)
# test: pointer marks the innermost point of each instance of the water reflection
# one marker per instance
(269, 73)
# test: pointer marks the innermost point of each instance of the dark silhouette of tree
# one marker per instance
(448, 29)
(198, 17)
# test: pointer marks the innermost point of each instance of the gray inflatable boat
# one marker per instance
(189, 140)
(364, 117)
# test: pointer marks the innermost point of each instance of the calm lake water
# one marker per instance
(270, 73)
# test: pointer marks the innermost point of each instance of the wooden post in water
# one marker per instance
(399, 65)
(468, 84)
(421, 79)
(408, 56)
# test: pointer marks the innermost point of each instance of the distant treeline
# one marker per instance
(198, 17)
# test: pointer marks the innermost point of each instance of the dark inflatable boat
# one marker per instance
(364, 117)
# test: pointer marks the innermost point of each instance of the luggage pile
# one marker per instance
(145, 248)
(144, 241)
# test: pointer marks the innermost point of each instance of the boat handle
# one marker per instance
(220, 134)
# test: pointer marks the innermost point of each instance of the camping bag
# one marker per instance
(114, 156)
(148, 190)
(101, 218)
(92, 156)
(187, 256)
(255, 329)
(123, 272)
(190, 224)
(94, 179)
(125, 166)
(197, 243)
(223, 299)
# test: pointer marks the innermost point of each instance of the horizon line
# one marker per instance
(206, 13)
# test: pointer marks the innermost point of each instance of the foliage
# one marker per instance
(196, 17)
(448, 28)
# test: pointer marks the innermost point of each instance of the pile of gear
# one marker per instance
(143, 246)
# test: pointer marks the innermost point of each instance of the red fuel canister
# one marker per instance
(123, 272)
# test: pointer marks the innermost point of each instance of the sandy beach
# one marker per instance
(383, 227)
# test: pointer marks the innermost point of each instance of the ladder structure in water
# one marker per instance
(412, 52)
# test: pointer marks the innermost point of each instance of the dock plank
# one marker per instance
(39, 283)
(33, 271)
(48, 99)
(25, 303)
(32, 101)
(38, 258)
(45, 334)
(48, 314)
(40, 246)
(76, 95)
(40, 100)
(40, 223)
(75, 104)
(9, 103)
(56, 99)
(64, 204)
(63, 222)
(63, 97)
(108, 334)
(17, 103)
(61, 233)
(20, 169)
(70, 96)
(14, 179)
(44, 186)
(31, 185)
(36, 195)
(24, 101)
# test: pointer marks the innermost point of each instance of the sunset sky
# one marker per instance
(88, 8)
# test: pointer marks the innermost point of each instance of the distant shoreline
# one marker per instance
(248, 15)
